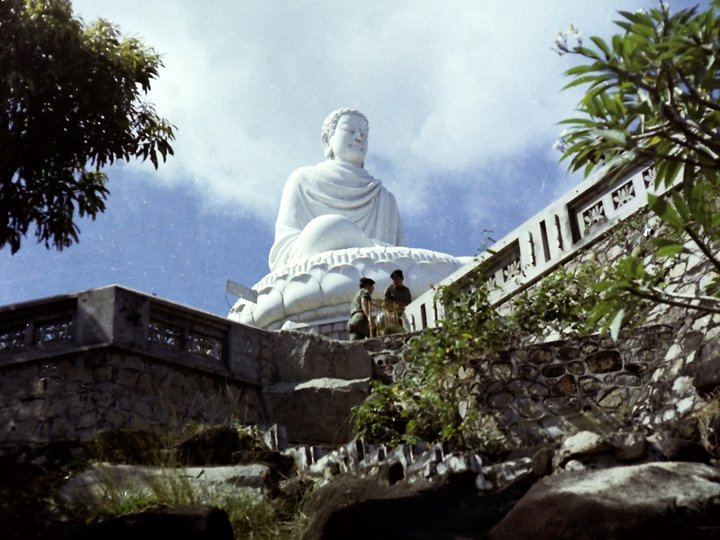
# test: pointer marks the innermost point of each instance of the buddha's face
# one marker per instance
(349, 142)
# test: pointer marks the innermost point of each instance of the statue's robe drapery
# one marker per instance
(333, 187)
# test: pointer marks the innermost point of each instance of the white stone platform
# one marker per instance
(317, 291)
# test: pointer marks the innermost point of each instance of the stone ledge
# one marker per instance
(319, 410)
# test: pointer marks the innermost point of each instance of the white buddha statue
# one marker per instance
(335, 204)
(336, 224)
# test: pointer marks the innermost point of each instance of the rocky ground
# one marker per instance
(611, 480)
(588, 486)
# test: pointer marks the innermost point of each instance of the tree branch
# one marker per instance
(670, 111)
(696, 95)
(701, 298)
(664, 299)
(703, 247)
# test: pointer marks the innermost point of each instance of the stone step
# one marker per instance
(318, 410)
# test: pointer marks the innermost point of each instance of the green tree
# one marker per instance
(652, 97)
(72, 103)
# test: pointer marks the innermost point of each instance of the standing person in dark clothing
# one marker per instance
(397, 296)
(397, 292)
(360, 325)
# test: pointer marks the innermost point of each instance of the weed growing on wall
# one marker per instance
(560, 303)
(708, 419)
(434, 399)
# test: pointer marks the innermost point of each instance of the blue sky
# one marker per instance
(463, 99)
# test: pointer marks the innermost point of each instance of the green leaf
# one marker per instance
(580, 121)
(670, 250)
(616, 323)
(580, 70)
(613, 135)
(601, 45)
(595, 79)
(665, 211)
(638, 17)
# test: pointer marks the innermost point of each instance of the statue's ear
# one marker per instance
(327, 149)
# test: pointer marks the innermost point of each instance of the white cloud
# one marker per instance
(449, 87)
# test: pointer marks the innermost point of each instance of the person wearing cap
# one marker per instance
(397, 292)
(360, 325)
(397, 296)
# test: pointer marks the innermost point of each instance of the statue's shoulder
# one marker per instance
(308, 171)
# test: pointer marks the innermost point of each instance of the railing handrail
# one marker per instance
(549, 238)
(119, 317)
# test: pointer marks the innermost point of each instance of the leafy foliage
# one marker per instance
(652, 97)
(435, 398)
(561, 302)
(71, 98)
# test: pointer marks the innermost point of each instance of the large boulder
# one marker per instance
(199, 522)
(449, 508)
(656, 500)
(89, 488)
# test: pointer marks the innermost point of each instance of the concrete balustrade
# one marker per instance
(550, 238)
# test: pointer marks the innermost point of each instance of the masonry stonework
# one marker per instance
(549, 387)
(75, 396)
(74, 366)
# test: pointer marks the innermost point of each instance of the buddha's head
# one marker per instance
(345, 136)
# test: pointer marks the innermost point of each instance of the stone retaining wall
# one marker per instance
(74, 397)
(543, 392)
(76, 365)
(647, 378)
(546, 391)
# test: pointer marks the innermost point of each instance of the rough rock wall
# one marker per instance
(648, 377)
(308, 385)
(75, 365)
(547, 391)
(76, 396)
(54, 387)
(551, 387)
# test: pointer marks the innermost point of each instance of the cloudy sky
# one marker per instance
(463, 99)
